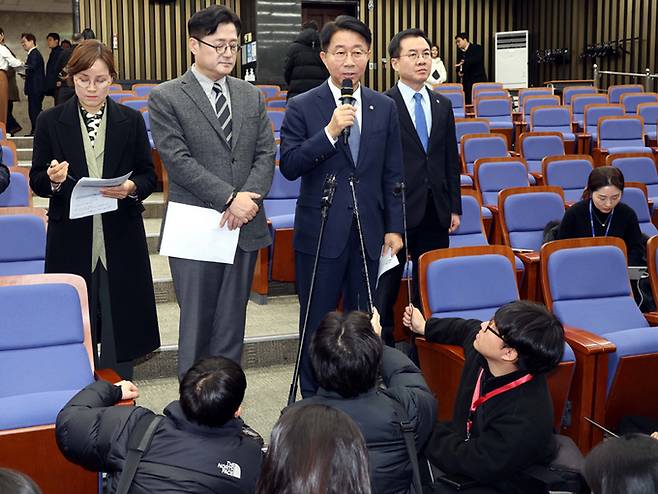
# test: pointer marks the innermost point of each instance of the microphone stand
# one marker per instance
(400, 189)
(327, 198)
(352, 180)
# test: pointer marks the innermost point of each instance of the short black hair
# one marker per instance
(462, 35)
(88, 33)
(394, 45)
(626, 464)
(205, 22)
(14, 482)
(53, 36)
(212, 390)
(535, 334)
(65, 42)
(310, 25)
(344, 23)
(29, 37)
(346, 353)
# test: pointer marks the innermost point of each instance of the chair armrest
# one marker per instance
(538, 177)
(652, 318)
(112, 377)
(584, 342)
(527, 257)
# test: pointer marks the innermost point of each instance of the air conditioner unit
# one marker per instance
(512, 59)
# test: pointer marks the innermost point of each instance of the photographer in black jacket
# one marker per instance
(503, 416)
(198, 447)
(304, 69)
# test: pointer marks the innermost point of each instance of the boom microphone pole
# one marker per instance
(328, 190)
(400, 190)
(352, 179)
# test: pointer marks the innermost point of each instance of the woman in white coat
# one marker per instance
(438, 74)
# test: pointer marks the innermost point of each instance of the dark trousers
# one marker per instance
(34, 107)
(102, 327)
(12, 125)
(213, 306)
(427, 236)
(344, 276)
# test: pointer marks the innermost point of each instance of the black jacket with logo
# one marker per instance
(95, 434)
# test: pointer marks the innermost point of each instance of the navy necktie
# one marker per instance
(421, 123)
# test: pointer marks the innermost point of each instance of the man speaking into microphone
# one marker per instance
(325, 131)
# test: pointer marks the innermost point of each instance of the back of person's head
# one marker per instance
(626, 464)
(88, 33)
(315, 449)
(463, 35)
(535, 334)
(394, 45)
(205, 22)
(76, 38)
(13, 482)
(310, 25)
(212, 390)
(346, 353)
(603, 176)
(344, 23)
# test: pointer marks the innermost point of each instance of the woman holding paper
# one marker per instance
(92, 136)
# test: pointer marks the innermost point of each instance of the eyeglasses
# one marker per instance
(221, 47)
(413, 56)
(85, 83)
(490, 328)
(357, 55)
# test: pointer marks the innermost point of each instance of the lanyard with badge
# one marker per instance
(478, 400)
(591, 221)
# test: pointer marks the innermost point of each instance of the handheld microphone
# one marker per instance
(346, 98)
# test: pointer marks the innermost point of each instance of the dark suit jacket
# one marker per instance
(69, 242)
(473, 67)
(52, 70)
(35, 74)
(438, 169)
(4, 176)
(307, 153)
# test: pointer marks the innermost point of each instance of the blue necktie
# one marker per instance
(354, 140)
(421, 123)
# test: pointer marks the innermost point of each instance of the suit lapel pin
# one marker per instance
(371, 107)
(437, 100)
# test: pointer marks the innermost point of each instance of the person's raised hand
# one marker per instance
(128, 390)
(342, 117)
(414, 320)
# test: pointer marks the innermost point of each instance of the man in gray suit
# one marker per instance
(216, 142)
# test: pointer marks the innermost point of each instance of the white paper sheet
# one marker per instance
(192, 232)
(387, 261)
(86, 198)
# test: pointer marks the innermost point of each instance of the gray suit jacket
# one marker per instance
(203, 170)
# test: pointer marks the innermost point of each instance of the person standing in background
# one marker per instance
(52, 66)
(34, 78)
(7, 62)
(304, 67)
(438, 74)
(471, 63)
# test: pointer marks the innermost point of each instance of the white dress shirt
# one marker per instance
(207, 84)
(335, 91)
(409, 101)
(7, 59)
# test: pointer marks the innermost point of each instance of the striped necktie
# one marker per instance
(223, 111)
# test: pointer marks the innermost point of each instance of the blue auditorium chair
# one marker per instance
(569, 172)
(476, 146)
(276, 116)
(568, 92)
(143, 90)
(637, 167)
(535, 146)
(280, 205)
(465, 126)
(615, 92)
(45, 358)
(649, 112)
(118, 95)
(484, 86)
(9, 156)
(630, 101)
(586, 286)
(580, 101)
(456, 97)
(493, 93)
(276, 102)
(23, 245)
(529, 103)
(491, 175)
(471, 230)
(554, 119)
(269, 90)
(592, 114)
(497, 110)
(471, 282)
(18, 194)
(533, 91)
(447, 86)
(635, 196)
(136, 103)
(620, 135)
